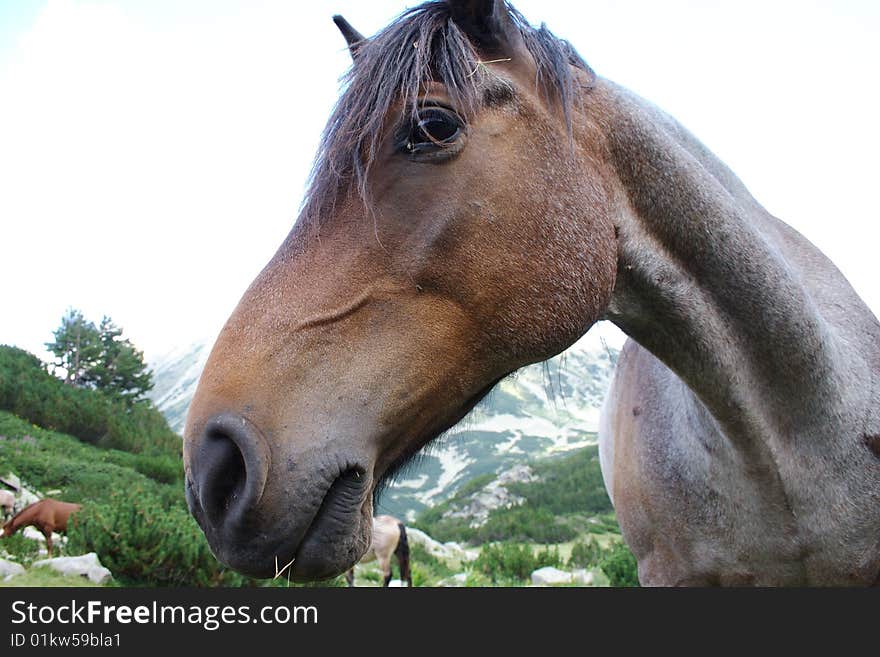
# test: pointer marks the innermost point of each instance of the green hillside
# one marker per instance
(122, 463)
(29, 391)
(566, 499)
(560, 516)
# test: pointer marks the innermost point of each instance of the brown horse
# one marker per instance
(389, 539)
(480, 198)
(47, 515)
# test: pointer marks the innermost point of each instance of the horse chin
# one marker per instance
(310, 549)
(340, 533)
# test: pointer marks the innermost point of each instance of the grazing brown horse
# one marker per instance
(47, 515)
(480, 198)
(389, 539)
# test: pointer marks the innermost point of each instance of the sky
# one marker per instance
(153, 154)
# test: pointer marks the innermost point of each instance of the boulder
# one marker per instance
(458, 579)
(436, 548)
(24, 496)
(9, 569)
(548, 576)
(85, 565)
(35, 534)
(583, 577)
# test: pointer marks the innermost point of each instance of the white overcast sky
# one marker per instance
(153, 153)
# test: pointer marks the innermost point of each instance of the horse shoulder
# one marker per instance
(678, 482)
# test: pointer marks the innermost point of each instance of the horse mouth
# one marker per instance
(315, 546)
(333, 540)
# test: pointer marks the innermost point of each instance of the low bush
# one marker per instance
(620, 566)
(503, 562)
(524, 523)
(24, 550)
(585, 553)
(143, 540)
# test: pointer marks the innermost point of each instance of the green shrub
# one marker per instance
(620, 566)
(432, 522)
(524, 523)
(421, 576)
(24, 550)
(142, 540)
(510, 561)
(427, 569)
(476, 579)
(585, 553)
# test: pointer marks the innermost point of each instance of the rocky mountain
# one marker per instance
(541, 410)
(175, 376)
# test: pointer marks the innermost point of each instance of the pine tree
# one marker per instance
(77, 347)
(120, 371)
(100, 358)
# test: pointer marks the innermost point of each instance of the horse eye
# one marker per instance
(434, 127)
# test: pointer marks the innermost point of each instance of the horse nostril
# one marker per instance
(223, 476)
(231, 468)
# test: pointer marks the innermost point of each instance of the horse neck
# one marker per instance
(739, 305)
(22, 519)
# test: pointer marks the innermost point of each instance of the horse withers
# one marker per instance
(48, 515)
(480, 198)
(389, 540)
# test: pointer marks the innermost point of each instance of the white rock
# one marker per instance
(24, 497)
(396, 584)
(494, 495)
(85, 565)
(36, 535)
(436, 548)
(583, 577)
(9, 569)
(549, 575)
(459, 579)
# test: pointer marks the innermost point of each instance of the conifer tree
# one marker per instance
(77, 347)
(100, 358)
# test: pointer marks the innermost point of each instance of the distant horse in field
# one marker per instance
(47, 515)
(7, 503)
(479, 200)
(389, 539)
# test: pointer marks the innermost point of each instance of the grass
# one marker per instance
(46, 577)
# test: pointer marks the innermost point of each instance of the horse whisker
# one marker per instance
(491, 61)
(279, 572)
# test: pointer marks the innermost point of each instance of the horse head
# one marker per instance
(436, 252)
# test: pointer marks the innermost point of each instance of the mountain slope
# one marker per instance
(175, 376)
(541, 410)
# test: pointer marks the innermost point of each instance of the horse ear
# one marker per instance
(354, 38)
(487, 23)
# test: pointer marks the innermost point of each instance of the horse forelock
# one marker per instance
(394, 67)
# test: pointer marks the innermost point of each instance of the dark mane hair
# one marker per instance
(423, 44)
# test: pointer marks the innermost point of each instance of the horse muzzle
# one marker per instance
(266, 513)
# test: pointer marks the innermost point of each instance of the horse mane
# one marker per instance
(421, 45)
